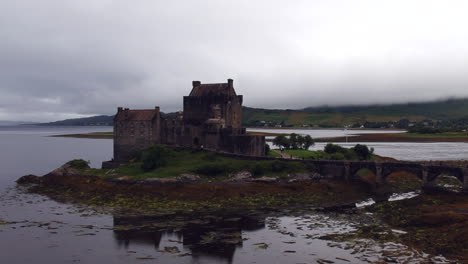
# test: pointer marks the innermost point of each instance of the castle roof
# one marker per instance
(207, 89)
(136, 115)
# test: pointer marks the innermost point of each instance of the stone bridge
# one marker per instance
(347, 170)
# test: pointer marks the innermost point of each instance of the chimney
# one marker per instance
(195, 83)
(119, 109)
(230, 83)
(156, 108)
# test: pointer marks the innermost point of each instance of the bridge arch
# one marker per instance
(434, 173)
(348, 170)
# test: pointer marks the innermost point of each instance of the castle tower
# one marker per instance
(218, 97)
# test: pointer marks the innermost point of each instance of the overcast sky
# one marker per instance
(66, 58)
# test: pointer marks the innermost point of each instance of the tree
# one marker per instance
(331, 148)
(362, 152)
(293, 140)
(267, 149)
(281, 141)
(300, 141)
(308, 142)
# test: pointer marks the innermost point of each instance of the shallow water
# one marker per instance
(409, 151)
(42, 230)
(325, 133)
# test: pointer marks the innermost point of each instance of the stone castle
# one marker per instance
(211, 120)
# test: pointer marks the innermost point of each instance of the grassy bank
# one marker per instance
(210, 166)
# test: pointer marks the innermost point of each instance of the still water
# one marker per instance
(399, 150)
(45, 231)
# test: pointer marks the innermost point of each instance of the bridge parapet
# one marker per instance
(347, 169)
(428, 173)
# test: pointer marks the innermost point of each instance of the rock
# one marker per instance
(304, 176)
(240, 176)
(316, 176)
(29, 179)
(63, 170)
(187, 177)
(172, 250)
(159, 181)
(300, 177)
(264, 180)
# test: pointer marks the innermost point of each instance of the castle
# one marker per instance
(211, 120)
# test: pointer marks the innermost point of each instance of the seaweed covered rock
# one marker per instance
(188, 178)
(72, 167)
(304, 176)
(240, 176)
(28, 179)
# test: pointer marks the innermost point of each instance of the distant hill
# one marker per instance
(101, 120)
(330, 116)
(325, 116)
(14, 123)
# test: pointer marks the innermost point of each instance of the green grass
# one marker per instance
(206, 164)
(306, 154)
(273, 154)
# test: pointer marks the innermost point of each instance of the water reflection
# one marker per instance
(215, 237)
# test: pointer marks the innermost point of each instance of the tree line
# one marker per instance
(294, 141)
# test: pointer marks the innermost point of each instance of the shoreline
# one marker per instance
(395, 137)
(440, 217)
(378, 137)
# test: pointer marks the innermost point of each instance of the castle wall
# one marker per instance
(242, 144)
(132, 137)
(212, 118)
(233, 112)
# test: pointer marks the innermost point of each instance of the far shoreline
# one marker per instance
(356, 138)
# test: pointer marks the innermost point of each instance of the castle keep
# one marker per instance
(211, 120)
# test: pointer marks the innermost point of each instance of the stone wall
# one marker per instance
(133, 137)
(211, 119)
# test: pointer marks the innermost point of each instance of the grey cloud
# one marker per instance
(64, 58)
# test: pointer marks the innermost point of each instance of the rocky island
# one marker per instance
(204, 161)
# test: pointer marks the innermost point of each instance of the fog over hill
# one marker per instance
(14, 123)
(69, 59)
(328, 115)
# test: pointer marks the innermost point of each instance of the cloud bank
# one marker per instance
(63, 58)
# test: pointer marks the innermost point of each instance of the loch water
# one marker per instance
(41, 230)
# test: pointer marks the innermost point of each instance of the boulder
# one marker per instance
(187, 177)
(299, 177)
(63, 170)
(240, 176)
(26, 179)
(156, 181)
(264, 180)
(304, 176)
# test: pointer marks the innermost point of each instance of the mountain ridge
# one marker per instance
(327, 116)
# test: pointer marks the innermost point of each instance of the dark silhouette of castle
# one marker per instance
(211, 120)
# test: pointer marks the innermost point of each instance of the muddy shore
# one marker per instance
(384, 137)
(435, 223)
(392, 137)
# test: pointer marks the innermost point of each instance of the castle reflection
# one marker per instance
(214, 236)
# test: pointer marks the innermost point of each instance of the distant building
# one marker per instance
(211, 120)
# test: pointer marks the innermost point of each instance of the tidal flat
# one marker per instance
(64, 225)
(197, 218)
